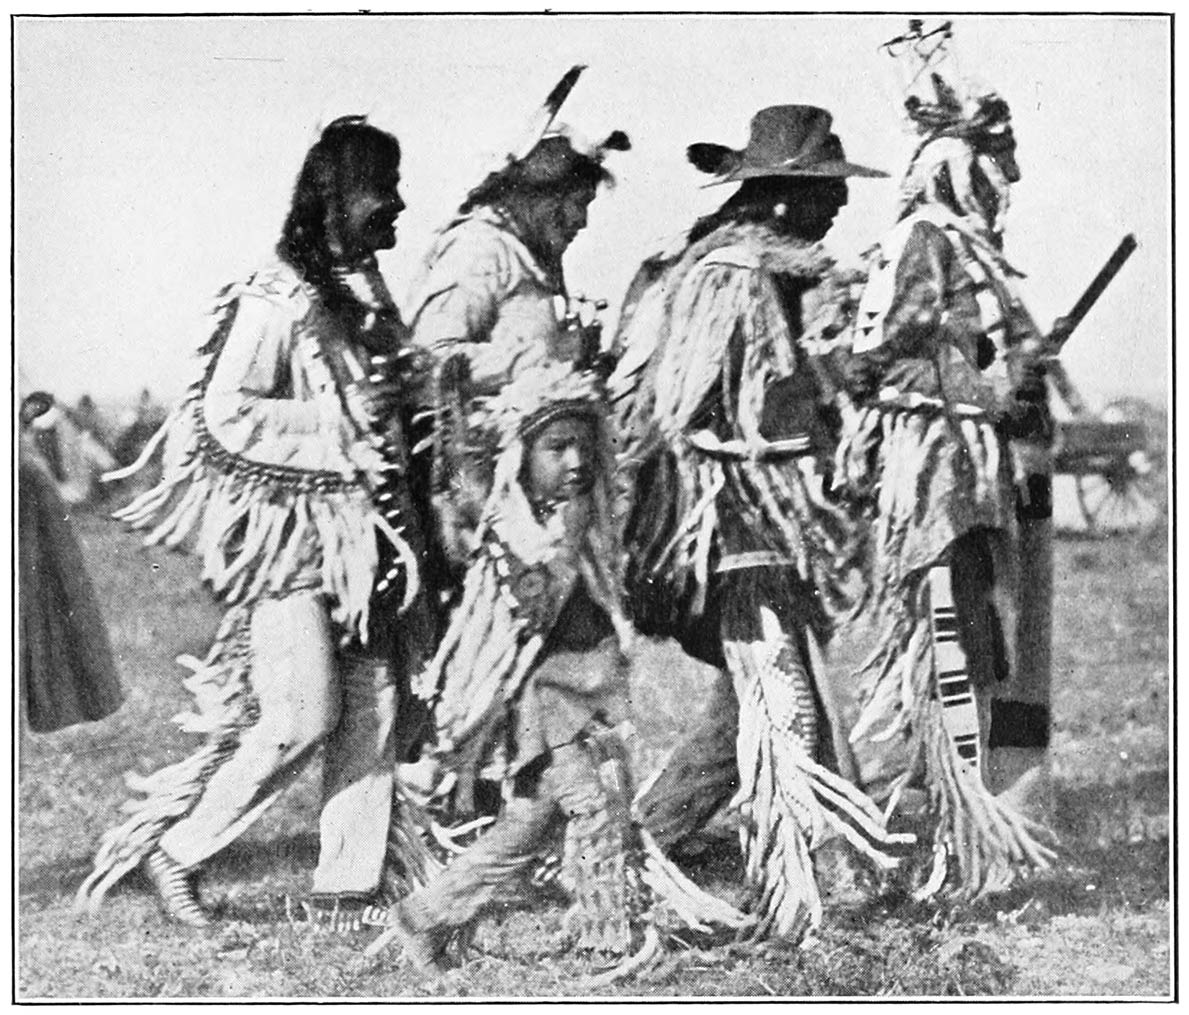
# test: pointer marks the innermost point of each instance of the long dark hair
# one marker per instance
(349, 152)
(552, 166)
(755, 200)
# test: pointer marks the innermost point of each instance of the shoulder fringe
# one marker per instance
(991, 274)
(224, 707)
(254, 525)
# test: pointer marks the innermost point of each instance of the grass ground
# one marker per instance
(1099, 925)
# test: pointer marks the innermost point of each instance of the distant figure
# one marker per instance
(86, 416)
(136, 428)
(74, 456)
(67, 673)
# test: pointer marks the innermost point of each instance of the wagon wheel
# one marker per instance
(1130, 495)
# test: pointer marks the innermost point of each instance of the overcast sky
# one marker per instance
(155, 156)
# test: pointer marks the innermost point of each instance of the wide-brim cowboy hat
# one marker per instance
(785, 141)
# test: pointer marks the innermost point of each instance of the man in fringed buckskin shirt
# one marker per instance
(285, 473)
(950, 443)
(736, 547)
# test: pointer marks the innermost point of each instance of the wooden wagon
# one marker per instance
(1117, 459)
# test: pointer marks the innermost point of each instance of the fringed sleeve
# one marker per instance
(261, 524)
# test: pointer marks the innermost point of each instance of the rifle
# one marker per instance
(1051, 347)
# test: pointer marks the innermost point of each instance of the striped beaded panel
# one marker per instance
(954, 690)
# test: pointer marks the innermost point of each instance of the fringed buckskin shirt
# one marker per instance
(937, 325)
(269, 398)
(268, 472)
(485, 296)
(720, 410)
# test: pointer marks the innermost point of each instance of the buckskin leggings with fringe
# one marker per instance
(568, 788)
(307, 694)
(763, 733)
(701, 774)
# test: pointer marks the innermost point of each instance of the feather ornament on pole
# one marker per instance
(960, 122)
(917, 51)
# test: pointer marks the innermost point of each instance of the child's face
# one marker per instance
(561, 459)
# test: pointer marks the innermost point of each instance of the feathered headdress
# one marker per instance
(547, 156)
(525, 565)
(963, 124)
(518, 413)
(540, 395)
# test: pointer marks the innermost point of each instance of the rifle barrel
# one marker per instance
(1109, 270)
